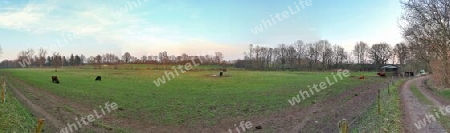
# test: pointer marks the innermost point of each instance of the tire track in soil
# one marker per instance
(327, 112)
(54, 109)
(37, 110)
(415, 111)
(325, 119)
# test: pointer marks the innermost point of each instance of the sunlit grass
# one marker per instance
(194, 97)
(14, 117)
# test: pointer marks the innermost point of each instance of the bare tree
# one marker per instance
(291, 55)
(325, 51)
(163, 58)
(42, 53)
(126, 57)
(313, 55)
(57, 61)
(91, 60)
(300, 47)
(250, 55)
(82, 59)
(427, 27)
(401, 53)
(339, 55)
(218, 57)
(25, 58)
(360, 52)
(144, 59)
(282, 54)
(98, 61)
(380, 53)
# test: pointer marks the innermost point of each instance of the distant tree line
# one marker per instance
(39, 59)
(30, 58)
(298, 56)
(161, 59)
(321, 55)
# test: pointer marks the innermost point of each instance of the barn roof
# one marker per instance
(389, 67)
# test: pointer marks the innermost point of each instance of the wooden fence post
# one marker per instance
(343, 126)
(378, 102)
(3, 91)
(388, 88)
(40, 125)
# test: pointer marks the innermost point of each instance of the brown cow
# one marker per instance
(381, 74)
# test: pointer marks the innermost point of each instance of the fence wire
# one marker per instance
(360, 122)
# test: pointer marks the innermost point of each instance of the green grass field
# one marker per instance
(420, 96)
(192, 98)
(14, 117)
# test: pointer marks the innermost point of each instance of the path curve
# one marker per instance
(415, 111)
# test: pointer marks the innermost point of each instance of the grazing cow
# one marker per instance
(98, 78)
(381, 74)
(55, 79)
(362, 77)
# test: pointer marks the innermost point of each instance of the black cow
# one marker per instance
(55, 79)
(98, 78)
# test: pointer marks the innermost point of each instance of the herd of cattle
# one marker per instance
(381, 74)
(56, 80)
(99, 78)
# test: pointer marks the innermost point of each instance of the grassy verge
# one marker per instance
(444, 120)
(14, 117)
(445, 93)
(420, 96)
(391, 115)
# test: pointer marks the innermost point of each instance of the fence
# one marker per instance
(3, 90)
(371, 118)
(41, 121)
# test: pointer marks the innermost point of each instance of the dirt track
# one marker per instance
(415, 111)
(56, 111)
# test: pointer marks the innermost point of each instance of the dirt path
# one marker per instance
(52, 123)
(56, 111)
(415, 111)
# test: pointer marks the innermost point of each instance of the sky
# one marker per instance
(195, 27)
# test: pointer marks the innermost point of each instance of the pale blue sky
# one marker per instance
(188, 26)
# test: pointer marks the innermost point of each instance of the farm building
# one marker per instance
(391, 70)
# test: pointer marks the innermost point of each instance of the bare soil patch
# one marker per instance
(321, 116)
